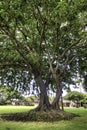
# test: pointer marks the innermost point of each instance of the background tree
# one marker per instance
(74, 96)
(77, 97)
(8, 94)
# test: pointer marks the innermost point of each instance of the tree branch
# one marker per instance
(69, 47)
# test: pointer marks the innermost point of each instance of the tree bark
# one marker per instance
(56, 101)
(44, 103)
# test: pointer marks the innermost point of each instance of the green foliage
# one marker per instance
(75, 96)
(84, 100)
(31, 100)
(8, 94)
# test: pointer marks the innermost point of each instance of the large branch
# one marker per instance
(69, 48)
(12, 65)
(67, 62)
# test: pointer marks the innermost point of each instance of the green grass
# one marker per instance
(14, 109)
(78, 123)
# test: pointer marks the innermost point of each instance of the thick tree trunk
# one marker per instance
(62, 106)
(56, 101)
(44, 103)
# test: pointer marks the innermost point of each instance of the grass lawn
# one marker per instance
(13, 109)
(78, 123)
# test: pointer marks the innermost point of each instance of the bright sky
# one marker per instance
(79, 89)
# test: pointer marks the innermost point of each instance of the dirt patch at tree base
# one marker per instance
(52, 115)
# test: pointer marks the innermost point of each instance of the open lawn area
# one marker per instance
(78, 123)
(13, 109)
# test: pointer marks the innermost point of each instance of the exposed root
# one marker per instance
(52, 115)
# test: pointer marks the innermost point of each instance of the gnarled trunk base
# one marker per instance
(50, 115)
